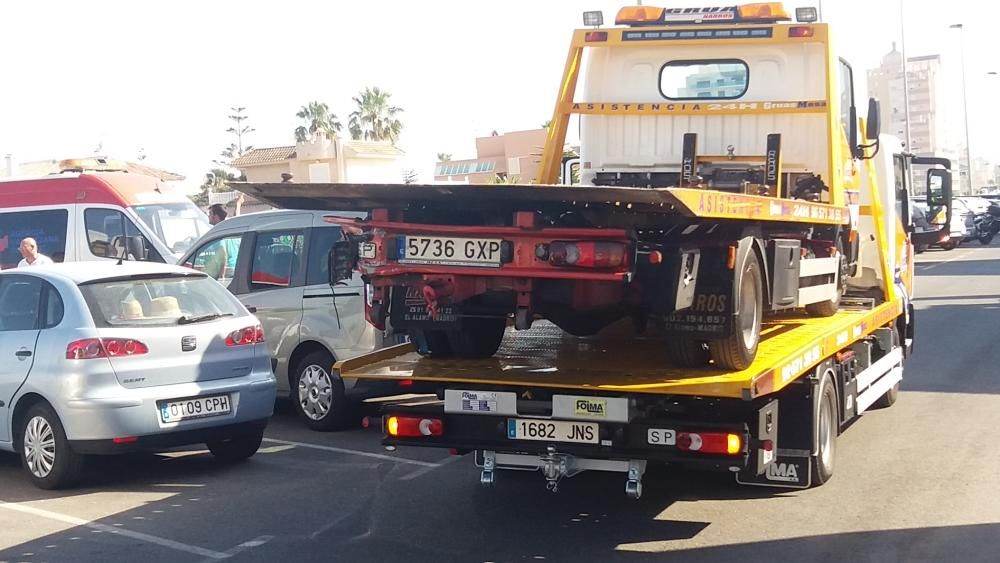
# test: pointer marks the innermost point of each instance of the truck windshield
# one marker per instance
(177, 225)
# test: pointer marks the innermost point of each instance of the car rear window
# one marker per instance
(158, 301)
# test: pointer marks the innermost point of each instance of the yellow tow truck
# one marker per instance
(727, 287)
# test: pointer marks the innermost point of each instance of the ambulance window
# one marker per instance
(724, 79)
(104, 231)
(47, 227)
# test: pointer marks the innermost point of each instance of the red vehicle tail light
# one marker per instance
(413, 427)
(596, 36)
(91, 348)
(244, 336)
(800, 31)
(596, 254)
(720, 443)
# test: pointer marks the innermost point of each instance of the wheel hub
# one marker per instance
(39, 447)
(315, 392)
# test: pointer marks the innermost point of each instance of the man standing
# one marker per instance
(32, 257)
(224, 262)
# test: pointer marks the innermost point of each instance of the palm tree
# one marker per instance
(444, 156)
(317, 120)
(217, 180)
(375, 119)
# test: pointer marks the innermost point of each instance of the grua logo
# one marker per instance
(784, 472)
(592, 407)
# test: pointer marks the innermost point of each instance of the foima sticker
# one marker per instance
(591, 407)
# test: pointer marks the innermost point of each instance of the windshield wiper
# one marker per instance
(185, 320)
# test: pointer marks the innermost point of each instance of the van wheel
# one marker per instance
(318, 394)
(686, 352)
(478, 337)
(237, 448)
(737, 351)
(45, 452)
(826, 424)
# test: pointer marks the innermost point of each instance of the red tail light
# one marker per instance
(91, 348)
(720, 443)
(800, 31)
(413, 427)
(598, 254)
(243, 336)
(594, 36)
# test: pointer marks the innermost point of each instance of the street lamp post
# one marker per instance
(965, 104)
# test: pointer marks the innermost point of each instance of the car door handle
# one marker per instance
(252, 309)
(23, 354)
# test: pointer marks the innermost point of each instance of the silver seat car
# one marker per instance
(105, 358)
(276, 263)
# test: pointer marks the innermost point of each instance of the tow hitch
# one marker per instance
(554, 466)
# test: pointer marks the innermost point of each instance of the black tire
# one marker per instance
(40, 430)
(237, 448)
(827, 425)
(686, 352)
(431, 343)
(478, 338)
(318, 393)
(737, 351)
(889, 399)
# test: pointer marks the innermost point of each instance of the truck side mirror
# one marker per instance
(137, 248)
(939, 191)
(342, 260)
(873, 125)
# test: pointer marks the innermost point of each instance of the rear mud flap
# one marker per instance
(791, 472)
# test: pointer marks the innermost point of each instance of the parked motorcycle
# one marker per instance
(988, 224)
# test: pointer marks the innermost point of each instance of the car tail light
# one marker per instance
(91, 348)
(413, 427)
(595, 36)
(598, 254)
(710, 442)
(243, 336)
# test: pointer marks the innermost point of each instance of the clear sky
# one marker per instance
(160, 76)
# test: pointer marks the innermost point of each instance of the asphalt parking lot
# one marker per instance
(916, 483)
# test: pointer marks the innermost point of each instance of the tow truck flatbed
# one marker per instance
(618, 361)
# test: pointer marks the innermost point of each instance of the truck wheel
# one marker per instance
(432, 343)
(318, 394)
(826, 424)
(950, 244)
(686, 352)
(46, 455)
(889, 399)
(479, 337)
(737, 351)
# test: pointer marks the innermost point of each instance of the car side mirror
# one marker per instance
(342, 260)
(873, 125)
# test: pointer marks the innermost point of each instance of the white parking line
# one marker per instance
(935, 264)
(208, 554)
(354, 452)
(256, 542)
(425, 470)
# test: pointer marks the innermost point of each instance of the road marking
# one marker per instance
(425, 470)
(208, 554)
(939, 262)
(353, 452)
(256, 542)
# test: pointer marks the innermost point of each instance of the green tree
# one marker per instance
(375, 119)
(217, 180)
(317, 119)
(239, 129)
(546, 124)
(444, 156)
(410, 176)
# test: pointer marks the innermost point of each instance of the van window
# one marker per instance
(276, 259)
(47, 227)
(319, 249)
(217, 258)
(104, 226)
